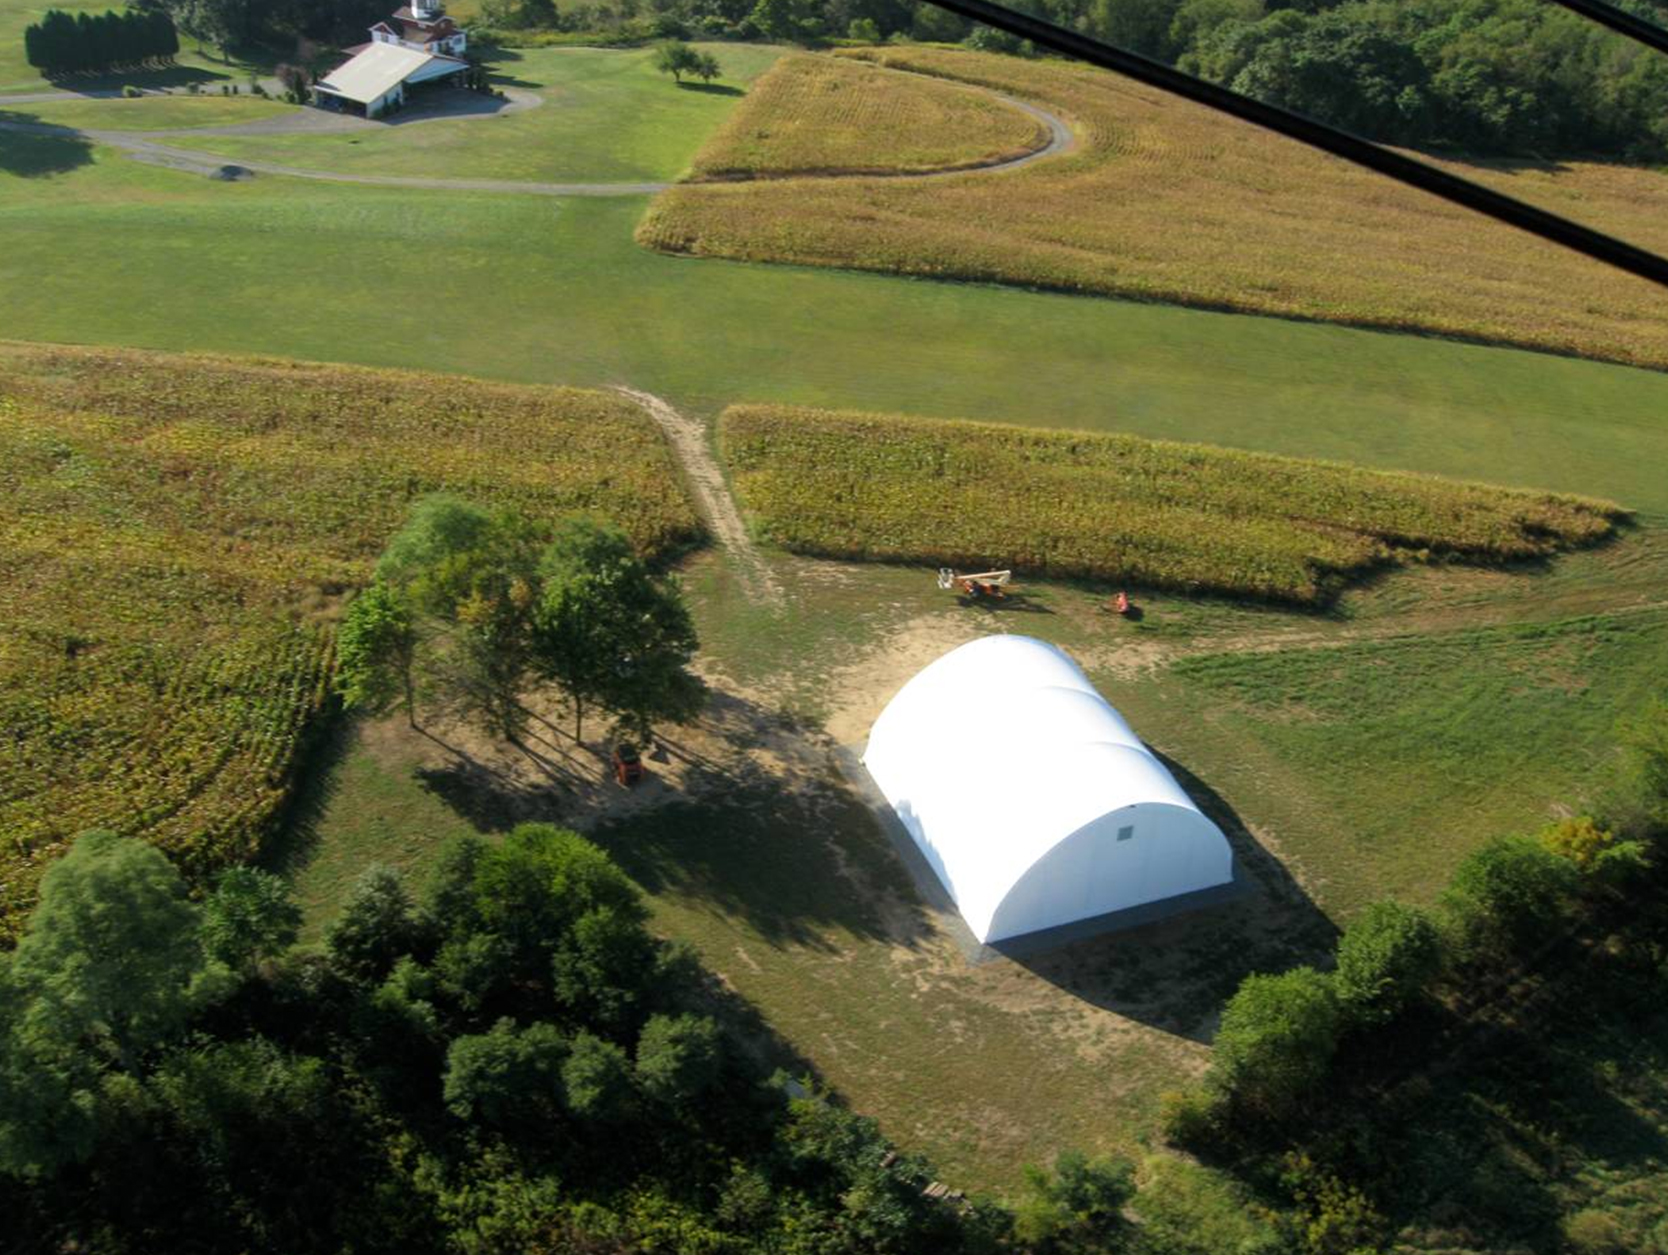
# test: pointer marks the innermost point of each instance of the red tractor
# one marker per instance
(628, 764)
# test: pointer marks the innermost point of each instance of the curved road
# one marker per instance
(145, 146)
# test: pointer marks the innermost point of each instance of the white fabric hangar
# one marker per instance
(1030, 796)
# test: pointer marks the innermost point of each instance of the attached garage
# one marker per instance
(1030, 797)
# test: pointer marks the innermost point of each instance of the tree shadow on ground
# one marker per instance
(295, 832)
(41, 150)
(798, 867)
(713, 89)
(1176, 973)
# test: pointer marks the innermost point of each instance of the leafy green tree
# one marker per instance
(534, 886)
(778, 19)
(508, 1077)
(1509, 894)
(376, 651)
(864, 29)
(1078, 1207)
(1275, 1044)
(1385, 957)
(602, 966)
(678, 1058)
(596, 1078)
(676, 58)
(49, 1092)
(609, 632)
(375, 926)
(475, 968)
(111, 951)
(706, 67)
(449, 897)
(249, 917)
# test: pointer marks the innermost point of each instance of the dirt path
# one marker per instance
(712, 494)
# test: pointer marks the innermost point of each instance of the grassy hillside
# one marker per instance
(1163, 515)
(812, 115)
(178, 534)
(1165, 200)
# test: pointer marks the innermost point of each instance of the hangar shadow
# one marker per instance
(1176, 972)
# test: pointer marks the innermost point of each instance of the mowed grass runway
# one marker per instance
(535, 289)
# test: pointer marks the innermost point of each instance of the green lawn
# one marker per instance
(155, 113)
(607, 116)
(535, 289)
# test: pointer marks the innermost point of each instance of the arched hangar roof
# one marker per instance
(1033, 800)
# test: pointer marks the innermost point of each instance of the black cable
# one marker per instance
(1647, 33)
(1352, 148)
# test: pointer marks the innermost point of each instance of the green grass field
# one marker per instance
(607, 116)
(155, 113)
(540, 290)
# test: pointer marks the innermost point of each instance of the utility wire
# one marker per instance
(1647, 33)
(1450, 187)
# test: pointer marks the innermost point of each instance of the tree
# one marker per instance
(111, 951)
(678, 1058)
(376, 650)
(473, 573)
(609, 632)
(603, 965)
(596, 1079)
(1276, 1040)
(508, 1077)
(1385, 957)
(778, 19)
(250, 916)
(707, 67)
(375, 926)
(1076, 1208)
(676, 58)
(1509, 894)
(538, 882)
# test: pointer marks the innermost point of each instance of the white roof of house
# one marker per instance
(1000, 755)
(378, 70)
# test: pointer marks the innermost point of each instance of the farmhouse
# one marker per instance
(1032, 799)
(419, 44)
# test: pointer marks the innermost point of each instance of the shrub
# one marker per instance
(1508, 894)
(1385, 957)
(678, 1057)
(1276, 1041)
(130, 92)
(1189, 1117)
(375, 926)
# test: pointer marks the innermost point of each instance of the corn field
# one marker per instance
(1164, 200)
(178, 536)
(1118, 508)
(820, 115)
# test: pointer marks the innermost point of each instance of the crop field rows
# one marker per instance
(818, 115)
(179, 533)
(1164, 200)
(1154, 513)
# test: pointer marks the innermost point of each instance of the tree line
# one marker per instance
(1501, 77)
(1330, 1084)
(65, 43)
